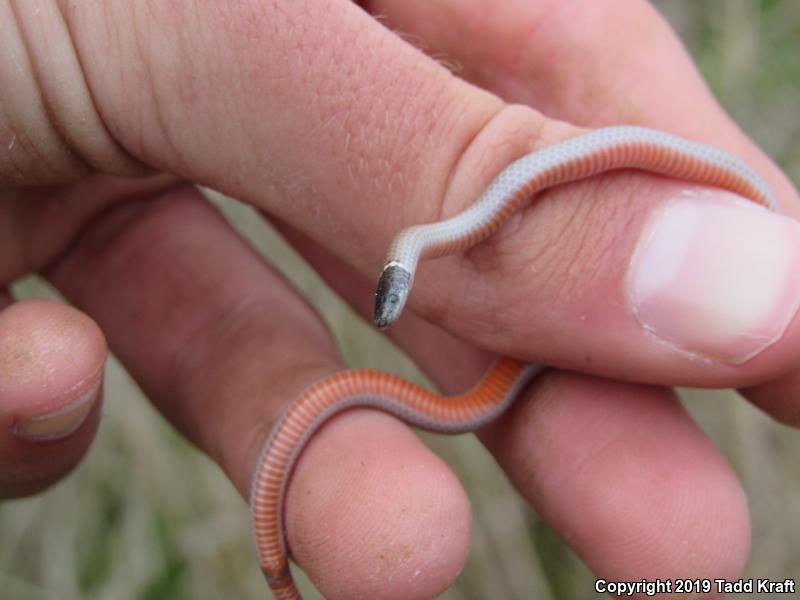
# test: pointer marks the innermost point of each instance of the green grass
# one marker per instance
(148, 517)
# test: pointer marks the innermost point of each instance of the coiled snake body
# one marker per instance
(583, 156)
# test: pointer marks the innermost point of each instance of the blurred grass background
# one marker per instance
(148, 517)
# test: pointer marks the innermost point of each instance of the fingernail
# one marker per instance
(716, 275)
(59, 423)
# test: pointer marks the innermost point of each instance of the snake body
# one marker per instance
(592, 153)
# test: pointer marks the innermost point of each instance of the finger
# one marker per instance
(50, 127)
(222, 345)
(38, 223)
(426, 144)
(5, 298)
(530, 52)
(626, 478)
(51, 370)
(778, 398)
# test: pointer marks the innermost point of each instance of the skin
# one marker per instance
(341, 133)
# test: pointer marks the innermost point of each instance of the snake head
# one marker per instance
(390, 298)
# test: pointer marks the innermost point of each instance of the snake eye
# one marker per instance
(394, 299)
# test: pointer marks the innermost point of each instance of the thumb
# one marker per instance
(51, 369)
(350, 133)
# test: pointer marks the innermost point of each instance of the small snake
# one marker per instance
(579, 157)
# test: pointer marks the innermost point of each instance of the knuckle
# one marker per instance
(52, 131)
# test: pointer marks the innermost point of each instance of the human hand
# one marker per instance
(228, 153)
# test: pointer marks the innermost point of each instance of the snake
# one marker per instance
(585, 155)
